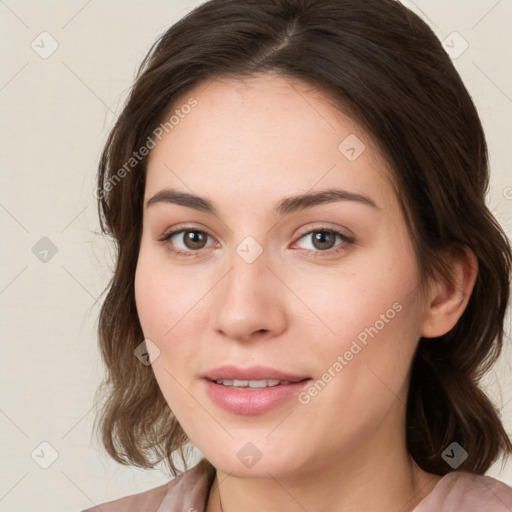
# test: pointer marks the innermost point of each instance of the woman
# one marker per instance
(309, 285)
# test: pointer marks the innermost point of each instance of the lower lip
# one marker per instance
(252, 401)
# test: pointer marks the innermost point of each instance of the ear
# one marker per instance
(447, 301)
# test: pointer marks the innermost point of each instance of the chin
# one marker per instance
(248, 461)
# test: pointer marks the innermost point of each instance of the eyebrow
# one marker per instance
(284, 207)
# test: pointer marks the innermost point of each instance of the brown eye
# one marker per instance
(194, 239)
(324, 240)
(186, 242)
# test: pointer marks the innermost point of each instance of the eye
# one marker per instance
(190, 241)
(323, 240)
(185, 242)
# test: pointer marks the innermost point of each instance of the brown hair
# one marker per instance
(383, 66)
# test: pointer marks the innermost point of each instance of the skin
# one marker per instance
(245, 146)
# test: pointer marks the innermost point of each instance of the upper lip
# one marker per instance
(230, 372)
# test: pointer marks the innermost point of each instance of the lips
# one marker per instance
(252, 391)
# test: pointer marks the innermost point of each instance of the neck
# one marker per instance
(391, 491)
(380, 476)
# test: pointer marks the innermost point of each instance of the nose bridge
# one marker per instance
(246, 301)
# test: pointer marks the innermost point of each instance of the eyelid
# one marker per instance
(324, 227)
(175, 230)
(182, 227)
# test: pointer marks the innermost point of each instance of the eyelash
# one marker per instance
(191, 253)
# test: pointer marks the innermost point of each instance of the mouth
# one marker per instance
(253, 374)
(252, 391)
(254, 384)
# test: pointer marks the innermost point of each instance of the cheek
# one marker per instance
(163, 296)
(373, 313)
(171, 308)
(373, 298)
(162, 302)
(362, 370)
(148, 297)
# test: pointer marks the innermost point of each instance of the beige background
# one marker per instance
(55, 114)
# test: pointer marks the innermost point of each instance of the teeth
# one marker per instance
(251, 383)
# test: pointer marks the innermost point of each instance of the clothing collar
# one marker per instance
(189, 491)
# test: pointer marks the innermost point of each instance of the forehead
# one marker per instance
(266, 135)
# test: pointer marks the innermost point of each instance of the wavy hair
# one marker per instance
(384, 67)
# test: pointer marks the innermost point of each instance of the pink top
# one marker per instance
(457, 491)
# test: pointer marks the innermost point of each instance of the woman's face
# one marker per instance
(322, 325)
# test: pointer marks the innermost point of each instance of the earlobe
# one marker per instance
(448, 300)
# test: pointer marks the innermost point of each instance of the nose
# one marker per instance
(249, 302)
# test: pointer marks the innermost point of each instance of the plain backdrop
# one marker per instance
(66, 69)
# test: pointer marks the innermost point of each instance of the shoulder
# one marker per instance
(188, 490)
(460, 490)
